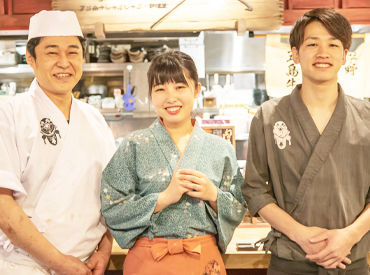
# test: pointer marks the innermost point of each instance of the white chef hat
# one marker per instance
(54, 23)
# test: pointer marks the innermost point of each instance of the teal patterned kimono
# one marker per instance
(143, 166)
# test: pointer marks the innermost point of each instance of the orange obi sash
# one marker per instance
(170, 256)
(174, 246)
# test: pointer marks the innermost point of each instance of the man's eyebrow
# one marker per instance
(74, 47)
(56, 46)
(311, 37)
(316, 38)
(51, 46)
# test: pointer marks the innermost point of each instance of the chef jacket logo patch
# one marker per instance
(49, 131)
(281, 134)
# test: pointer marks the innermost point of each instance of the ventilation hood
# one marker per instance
(227, 52)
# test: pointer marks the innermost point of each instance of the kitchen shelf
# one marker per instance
(104, 69)
(119, 114)
(115, 115)
(22, 71)
(19, 71)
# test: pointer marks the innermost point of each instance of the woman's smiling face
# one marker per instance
(174, 101)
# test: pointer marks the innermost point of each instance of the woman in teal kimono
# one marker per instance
(172, 193)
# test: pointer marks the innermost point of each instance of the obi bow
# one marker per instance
(174, 246)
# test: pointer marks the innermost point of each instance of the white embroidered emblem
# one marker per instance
(281, 134)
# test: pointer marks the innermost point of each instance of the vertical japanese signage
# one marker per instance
(292, 71)
(282, 74)
(355, 73)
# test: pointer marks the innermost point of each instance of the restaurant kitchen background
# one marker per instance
(240, 48)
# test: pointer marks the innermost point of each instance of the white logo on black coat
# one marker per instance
(281, 134)
(49, 131)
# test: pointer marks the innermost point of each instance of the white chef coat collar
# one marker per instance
(37, 91)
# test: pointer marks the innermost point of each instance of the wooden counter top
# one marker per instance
(233, 259)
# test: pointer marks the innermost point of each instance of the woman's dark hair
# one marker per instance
(336, 24)
(171, 66)
(33, 42)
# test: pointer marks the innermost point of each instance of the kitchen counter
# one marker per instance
(233, 259)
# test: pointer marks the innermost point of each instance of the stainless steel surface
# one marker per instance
(241, 148)
(229, 53)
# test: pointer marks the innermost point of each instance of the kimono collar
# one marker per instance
(300, 107)
(322, 145)
(190, 156)
(335, 123)
(162, 134)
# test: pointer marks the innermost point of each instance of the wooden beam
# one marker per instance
(300, 4)
(338, 4)
(356, 4)
(290, 16)
(241, 27)
(311, 4)
(2, 7)
(99, 30)
(30, 6)
(10, 7)
(15, 22)
(290, 4)
(190, 15)
(166, 14)
(355, 16)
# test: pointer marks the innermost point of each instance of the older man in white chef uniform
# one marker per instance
(53, 149)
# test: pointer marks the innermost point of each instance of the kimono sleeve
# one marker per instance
(230, 201)
(257, 190)
(127, 214)
(10, 167)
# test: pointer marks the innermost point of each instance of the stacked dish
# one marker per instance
(118, 54)
(104, 53)
(136, 55)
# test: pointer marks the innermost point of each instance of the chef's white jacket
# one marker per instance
(54, 169)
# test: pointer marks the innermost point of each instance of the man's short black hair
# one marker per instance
(33, 42)
(335, 23)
